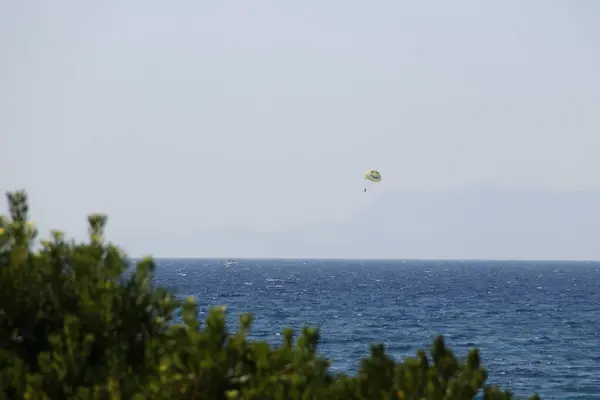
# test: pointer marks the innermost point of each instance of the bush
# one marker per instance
(73, 325)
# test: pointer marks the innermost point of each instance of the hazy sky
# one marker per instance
(191, 116)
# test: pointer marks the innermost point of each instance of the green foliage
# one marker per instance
(74, 326)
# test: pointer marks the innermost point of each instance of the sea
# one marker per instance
(536, 324)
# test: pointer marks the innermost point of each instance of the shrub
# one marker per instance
(73, 325)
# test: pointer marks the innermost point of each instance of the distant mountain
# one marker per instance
(484, 222)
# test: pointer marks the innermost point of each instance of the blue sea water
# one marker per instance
(537, 324)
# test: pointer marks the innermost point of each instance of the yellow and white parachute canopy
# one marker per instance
(372, 175)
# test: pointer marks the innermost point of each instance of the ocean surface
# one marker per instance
(537, 324)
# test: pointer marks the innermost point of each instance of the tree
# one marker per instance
(74, 325)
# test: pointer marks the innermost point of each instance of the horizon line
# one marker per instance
(412, 259)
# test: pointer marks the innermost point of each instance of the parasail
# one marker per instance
(372, 175)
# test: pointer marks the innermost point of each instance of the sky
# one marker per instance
(187, 118)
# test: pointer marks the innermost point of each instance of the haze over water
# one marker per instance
(262, 116)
